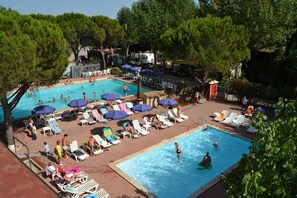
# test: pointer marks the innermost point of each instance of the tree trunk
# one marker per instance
(138, 86)
(103, 57)
(7, 121)
(127, 51)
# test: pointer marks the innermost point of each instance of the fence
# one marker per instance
(76, 70)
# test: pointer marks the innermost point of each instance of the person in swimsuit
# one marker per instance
(58, 151)
(178, 150)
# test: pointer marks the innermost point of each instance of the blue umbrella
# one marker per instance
(146, 71)
(142, 107)
(43, 109)
(116, 115)
(126, 66)
(110, 96)
(78, 103)
(134, 68)
(168, 102)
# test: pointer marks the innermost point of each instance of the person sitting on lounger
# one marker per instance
(206, 162)
(157, 123)
(130, 128)
(68, 177)
(51, 169)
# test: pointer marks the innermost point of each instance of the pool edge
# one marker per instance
(195, 194)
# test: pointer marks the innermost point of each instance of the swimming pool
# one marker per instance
(75, 91)
(160, 172)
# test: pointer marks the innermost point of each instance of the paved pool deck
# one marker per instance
(97, 166)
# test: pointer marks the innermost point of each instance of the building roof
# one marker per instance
(17, 180)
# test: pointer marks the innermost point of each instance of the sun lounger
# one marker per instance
(123, 107)
(138, 128)
(164, 120)
(76, 152)
(103, 111)
(116, 107)
(182, 116)
(251, 129)
(88, 187)
(101, 141)
(52, 123)
(98, 117)
(229, 119)
(157, 125)
(239, 120)
(107, 133)
(125, 132)
(219, 117)
(58, 115)
(81, 177)
(129, 105)
(88, 118)
(172, 117)
(99, 194)
(147, 123)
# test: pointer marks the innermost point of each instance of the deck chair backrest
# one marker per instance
(232, 116)
(73, 146)
(129, 105)
(136, 124)
(240, 119)
(225, 112)
(95, 114)
(103, 111)
(170, 114)
(116, 107)
(146, 120)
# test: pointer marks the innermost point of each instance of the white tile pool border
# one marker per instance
(148, 193)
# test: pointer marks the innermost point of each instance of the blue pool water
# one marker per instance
(164, 175)
(75, 91)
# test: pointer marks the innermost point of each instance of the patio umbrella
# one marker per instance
(168, 102)
(134, 69)
(43, 109)
(142, 107)
(146, 71)
(116, 115)
(126, 66)
(77, 103)
(110, 96)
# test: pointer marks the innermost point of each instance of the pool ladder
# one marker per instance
(202, 121)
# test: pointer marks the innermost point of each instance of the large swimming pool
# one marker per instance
(160, 172)
(73, 91)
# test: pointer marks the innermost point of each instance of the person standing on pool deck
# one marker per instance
(125, 88)
(178, 150)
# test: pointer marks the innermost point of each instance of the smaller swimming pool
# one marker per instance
(160, 172)
(52, 96)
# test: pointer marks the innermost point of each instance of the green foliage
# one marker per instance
(77, 30)
(271, 168)
(270, 23)
(32, 51)
(210, 44)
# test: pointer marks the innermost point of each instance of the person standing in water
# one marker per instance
(178, 150)
(125, 89)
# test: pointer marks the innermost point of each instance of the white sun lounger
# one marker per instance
(99, 194)
(182, 116)
(101, 141)
(164, 120)
(229, 119)
(219, 117)
(138, 128)
(239, 120)
(78, 153)
(88, 187)
(172, 117)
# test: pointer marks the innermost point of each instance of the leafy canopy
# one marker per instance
(271, 168)
(211, 44)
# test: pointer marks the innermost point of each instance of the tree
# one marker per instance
(270, 170)
(210, 44)
(31, 52)
(111, 34)
(154, 17)
(270, 23)
(128, 21)
(77, 29)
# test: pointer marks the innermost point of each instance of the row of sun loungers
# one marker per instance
(233, 119)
